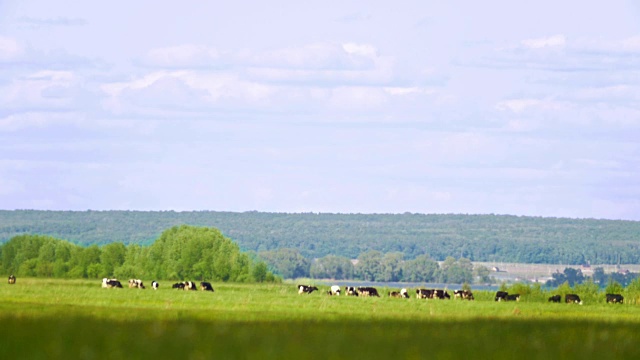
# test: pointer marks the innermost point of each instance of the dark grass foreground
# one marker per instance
(91, 338)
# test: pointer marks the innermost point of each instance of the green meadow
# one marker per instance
(68, 319)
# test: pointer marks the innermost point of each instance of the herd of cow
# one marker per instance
(360, 291)
(137, 284)
(443, 294)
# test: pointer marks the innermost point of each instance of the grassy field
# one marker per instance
(49, 319)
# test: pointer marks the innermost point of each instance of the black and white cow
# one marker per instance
(155, 285)
(350, 291)
(190, 285)
(205, 286)
(463, 294)
(501, 295)
(111, 283)
(178, 286)
(136, 283)
(424, 293)
(615, 298)
(399, 294)
(441, 294)
(12, 279)
(555, 298)
(335, 290)
(306, 289)
(512, 297)
(367, 291)
(572, 299)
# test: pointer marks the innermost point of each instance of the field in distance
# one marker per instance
(49, 319)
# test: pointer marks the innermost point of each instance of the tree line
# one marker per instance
(373, 265)
(180, 253)
(489, 238)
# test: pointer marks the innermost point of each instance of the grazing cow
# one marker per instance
(155, 285)
(512, 297)
(441, 294)
(111, 283)
(12, 279)
(501, 295)
(178, 286)
(399, 294)
(190, 285)
(306, 289)
(335, 290)
(404, 293)
(572, 298)
(205, 286)
(555, 298)
(615, 298)
(136, 283)
(350, 291)
(424, 293)
(368, 291)
(463, 294)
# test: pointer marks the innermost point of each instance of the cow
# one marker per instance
(12, 279)
(501, 295)
(136, 283)
(463, 294)
(399, 294)
(404, 293)
(368, 291)
(512, 297)
(190, 285)
(111, 283)
(615, 298)
(350, 291)
(555, 298)
(424, 293)
(441, 294)
(306, 289)
(572, 299)
(155, 285)
(335, 290)
(178, 286)
(205, 286)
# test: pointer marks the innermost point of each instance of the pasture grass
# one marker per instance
(52, 319)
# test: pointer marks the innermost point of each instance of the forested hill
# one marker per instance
(476, 237)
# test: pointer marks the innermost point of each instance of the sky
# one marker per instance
(434, 107)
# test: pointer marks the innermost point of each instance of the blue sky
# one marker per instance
(342, 106)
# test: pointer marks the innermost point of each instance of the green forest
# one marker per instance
(180, 253)
(474, 237)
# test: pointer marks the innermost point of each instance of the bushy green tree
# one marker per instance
(332, 267)
(369, 266)
(421, 269)
(288, 263)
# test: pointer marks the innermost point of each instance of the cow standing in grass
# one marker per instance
(111, 283)
(205, 286)
(368, 291)
(572, 299)
(12, 279)
(335, 290)
(155, 285)
(615, 298)
(555, 298)
(136, 283)
(306, 289)
(350, 291)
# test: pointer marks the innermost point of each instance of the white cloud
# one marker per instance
(517, 105)
(10, 49)
(183, 56)
(552, 41)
